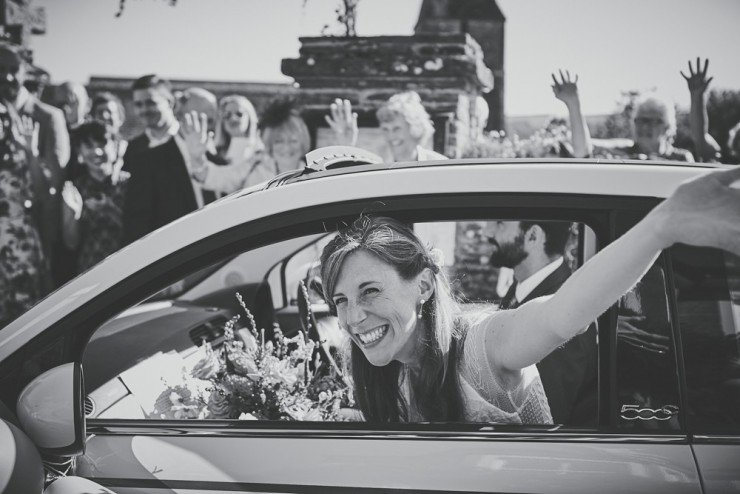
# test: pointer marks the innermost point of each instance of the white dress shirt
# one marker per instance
(525, 287)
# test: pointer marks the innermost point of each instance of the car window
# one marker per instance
(228, 347)
(647, 377)
(707, 283)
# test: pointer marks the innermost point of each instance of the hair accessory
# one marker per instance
(437, 257)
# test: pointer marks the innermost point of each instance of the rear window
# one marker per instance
(707, 285)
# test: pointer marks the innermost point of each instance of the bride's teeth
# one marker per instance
(374, 335)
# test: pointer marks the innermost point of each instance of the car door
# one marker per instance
(636, 441)
(707, 290)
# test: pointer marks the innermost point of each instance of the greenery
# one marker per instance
(346, 15)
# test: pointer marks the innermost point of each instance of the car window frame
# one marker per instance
(593, 210)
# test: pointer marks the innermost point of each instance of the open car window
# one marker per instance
(234, 341)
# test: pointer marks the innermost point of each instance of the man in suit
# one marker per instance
(52, 149)
(160, 189)
(534, 250)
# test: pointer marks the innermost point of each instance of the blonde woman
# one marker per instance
(253, 157)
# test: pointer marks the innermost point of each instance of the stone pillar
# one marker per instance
(447, 70)
(483, 20)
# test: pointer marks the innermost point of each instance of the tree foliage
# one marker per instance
(346, 16)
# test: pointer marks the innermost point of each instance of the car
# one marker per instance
(666, 410)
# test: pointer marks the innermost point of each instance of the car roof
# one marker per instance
(303, 190)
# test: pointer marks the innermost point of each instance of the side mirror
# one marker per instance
(51, 413)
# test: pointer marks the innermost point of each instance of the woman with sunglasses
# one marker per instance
(653, 127)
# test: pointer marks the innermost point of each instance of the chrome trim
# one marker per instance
(106, 428)
(715, 439)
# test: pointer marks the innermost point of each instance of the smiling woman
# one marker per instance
(416, 357)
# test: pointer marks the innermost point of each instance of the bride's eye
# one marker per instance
(339, 300)
(370, 291)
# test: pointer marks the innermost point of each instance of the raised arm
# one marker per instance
(343, 121)
(698, 83)
(703, 212)
(566, 90)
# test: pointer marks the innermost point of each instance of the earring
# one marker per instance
(421, 308)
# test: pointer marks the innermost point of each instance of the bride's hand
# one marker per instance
(704, 212)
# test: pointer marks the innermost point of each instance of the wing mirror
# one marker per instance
(51, 413)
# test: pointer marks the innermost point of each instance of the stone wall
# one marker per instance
(447, 71)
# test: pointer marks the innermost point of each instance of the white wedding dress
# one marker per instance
(487, 397)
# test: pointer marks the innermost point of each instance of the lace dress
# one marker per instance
(487, 397)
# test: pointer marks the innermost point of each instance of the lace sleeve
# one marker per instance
(517, 394)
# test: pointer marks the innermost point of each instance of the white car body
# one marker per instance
(129, 457)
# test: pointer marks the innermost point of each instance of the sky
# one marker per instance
(612, 45)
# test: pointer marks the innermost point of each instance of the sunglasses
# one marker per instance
(649, 121)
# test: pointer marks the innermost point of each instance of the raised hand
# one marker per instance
(343, 121)
(72, 199)
(704, 212)
(28, 135)
(194, 130)
(697, 79)
(565, 89)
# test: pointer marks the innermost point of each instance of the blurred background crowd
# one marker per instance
(83, 171)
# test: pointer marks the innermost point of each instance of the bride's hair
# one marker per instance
(436, 394)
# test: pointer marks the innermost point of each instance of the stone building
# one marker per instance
(484, 21)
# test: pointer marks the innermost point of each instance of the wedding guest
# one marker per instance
(160, 189)
(92, 219)
(23, 270)
(407, 128)
(74, 101)
(199, 100)
(653, 127)
(416, 357)
(237, 144)
(50, 147)
(535, 251)
(404, 122)
(705, 147)
(281, 146)
(107, 109)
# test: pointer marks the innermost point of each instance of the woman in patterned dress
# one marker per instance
(23, 271)
(92, 215)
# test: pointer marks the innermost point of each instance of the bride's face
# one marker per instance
(378, 309)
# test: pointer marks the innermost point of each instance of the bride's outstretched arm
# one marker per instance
(703, 212)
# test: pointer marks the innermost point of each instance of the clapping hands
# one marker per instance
(565, 89)
(343, 122)
(697, 78)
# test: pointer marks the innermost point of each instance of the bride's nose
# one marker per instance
(355, 313)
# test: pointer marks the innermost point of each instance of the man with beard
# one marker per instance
(161, 189)
(534, 250)
(45, 125)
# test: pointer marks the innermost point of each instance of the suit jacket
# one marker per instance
(47, 174)
(569, 372)
(159, 190)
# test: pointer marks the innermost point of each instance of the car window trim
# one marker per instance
(589, 209)
(361, 430)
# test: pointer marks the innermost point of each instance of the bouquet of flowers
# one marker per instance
(248, 378)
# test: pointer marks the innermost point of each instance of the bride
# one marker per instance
(415, 357)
